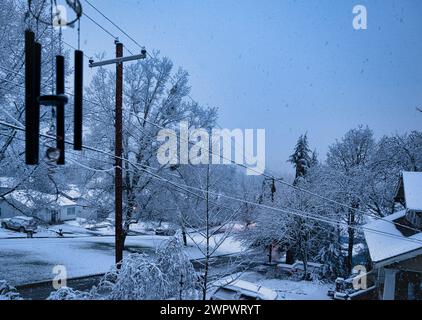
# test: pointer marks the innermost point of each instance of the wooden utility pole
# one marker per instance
(118, 150)
(118, 177)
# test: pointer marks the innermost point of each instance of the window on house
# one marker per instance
(71, 211)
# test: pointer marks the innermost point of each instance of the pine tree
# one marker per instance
(314, 159)
(301, 158)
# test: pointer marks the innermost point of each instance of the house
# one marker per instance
(46, 207)
(409, 194)
(395, 244)
(87, 209)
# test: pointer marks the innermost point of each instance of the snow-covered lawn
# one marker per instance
(291, 290)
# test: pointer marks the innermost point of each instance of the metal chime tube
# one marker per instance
(32, 109)
(78, 100)
(60, 89)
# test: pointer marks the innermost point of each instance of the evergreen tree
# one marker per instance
(302, 157)
(314, 159)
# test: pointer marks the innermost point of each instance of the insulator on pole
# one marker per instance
(78, 102)
(32, 112)
(60, 126)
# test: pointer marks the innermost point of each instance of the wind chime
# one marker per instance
(57, 100)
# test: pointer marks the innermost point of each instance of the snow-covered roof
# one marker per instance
(72, 192)
(385, 241)
(7, 182)
(412, 183)
(29, 197)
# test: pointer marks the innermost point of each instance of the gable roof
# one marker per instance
(383, 247)
(410, 190)
(28, 198)
(412, 182)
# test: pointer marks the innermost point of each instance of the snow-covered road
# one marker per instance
(31, 260)
(26, 261)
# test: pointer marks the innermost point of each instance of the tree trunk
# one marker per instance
(270, 253)
(185, 240)
(207, 257)
(128, 213)
(290, 256)
(351, 233)
(305, 265)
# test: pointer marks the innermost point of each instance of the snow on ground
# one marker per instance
(148, 227)
(32, 260)
(50, 232)
(290, 289)
(226, 245)
(73, 228)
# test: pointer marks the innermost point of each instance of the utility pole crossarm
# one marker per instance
(141, 56)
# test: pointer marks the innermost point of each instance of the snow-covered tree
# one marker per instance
(302, 157)
(168, 274)
(348, 178)
(155, 97)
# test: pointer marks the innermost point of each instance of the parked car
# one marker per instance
(20, 223)
(242, 290)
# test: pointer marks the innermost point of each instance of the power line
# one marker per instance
(222, 157)
(73, 153)
(280, 180)
(301, 214)
(106, 170)
(72, 47)
(268, 176)
(291, 185)
(244, 166)
(101, 27)
(106, 31)
(286, 183)
(114, 24)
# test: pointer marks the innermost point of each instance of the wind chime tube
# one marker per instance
(31, 104)
(78, 102)
(60, 134)
(37, 88)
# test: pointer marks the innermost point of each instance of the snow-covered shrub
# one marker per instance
(174, 262)
(7, 292)
(65, 293)
(168, 274)
(332, 260)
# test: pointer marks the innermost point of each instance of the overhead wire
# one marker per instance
(298, 213)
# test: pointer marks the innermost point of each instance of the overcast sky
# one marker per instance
(287, 66)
